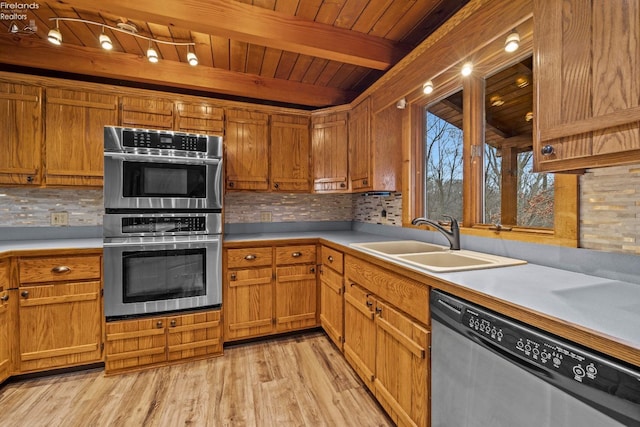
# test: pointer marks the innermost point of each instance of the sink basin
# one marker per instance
(400, 247)
(458, 260)
(435, 257)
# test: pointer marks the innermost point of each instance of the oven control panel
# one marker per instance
(164, 141)
(159, 224)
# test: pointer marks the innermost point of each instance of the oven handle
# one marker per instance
(124, 242)
(163, 159)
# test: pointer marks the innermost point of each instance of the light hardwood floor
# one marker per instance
(299, 380)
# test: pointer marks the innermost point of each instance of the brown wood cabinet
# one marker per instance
(269, 290)
(290, 153)
(60, 311)
(296, 289)
(247, 150)
(360, 332)
(146, 112)
(146, 342)
(329, 147)
(6, 316)
(199, 117)
(375, 148)
(586, 64)
(360, 146)
(74, 123)
(331, 294)
(388, 347)
(21, 130)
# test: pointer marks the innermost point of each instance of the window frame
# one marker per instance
(566, 197)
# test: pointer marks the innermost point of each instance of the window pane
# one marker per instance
(443, 159)
(492, 185)
(535, 194)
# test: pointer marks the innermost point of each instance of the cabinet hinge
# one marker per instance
(102, 346)
(101, 292)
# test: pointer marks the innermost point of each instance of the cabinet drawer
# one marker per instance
(62, 268)
(249, 257)
(302, 254)
(332, 259)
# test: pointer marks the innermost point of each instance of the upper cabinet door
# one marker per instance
(290, 153)
(199, 117)
(147, 113)
(247, 150)
(587, 101)
(360, 146)
(330, 153)
(74, 123)
(21, 130)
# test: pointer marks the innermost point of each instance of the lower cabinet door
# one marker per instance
(332, 305)
(60, 325)
(402, 366)
(6, 334)
(360, 332)
(296, 297)
(191, 336)
(135, 344)
(248, 302)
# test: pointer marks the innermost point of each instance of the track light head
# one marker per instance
(152, 55)
(105, 42)
(513, 42)
(427, 88)
(55, 36)
(192, 59)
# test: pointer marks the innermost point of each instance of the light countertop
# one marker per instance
(610, 308)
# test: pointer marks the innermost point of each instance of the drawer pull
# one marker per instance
(4, 298)
(159, 324)
(61, 269)
(296, 254)
(330, 258)
(250, 257)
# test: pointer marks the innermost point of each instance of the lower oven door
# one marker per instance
(147, 275)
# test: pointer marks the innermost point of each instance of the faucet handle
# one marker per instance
(452, 220)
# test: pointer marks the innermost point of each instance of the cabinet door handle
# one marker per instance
(250, 257)
(173, 323)
(61, 269)
(159, 324)
(296, 254)
(379, 311)
(29, 179)
(231, 184)
(312, 269)
(369, 304)
(4, 298)
(233, 276)
(276, 185)
(24, 294)
(330, 258)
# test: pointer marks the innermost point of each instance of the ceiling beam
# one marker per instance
(31, 52)
(252, 24)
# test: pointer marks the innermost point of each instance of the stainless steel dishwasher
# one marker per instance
(490, 370)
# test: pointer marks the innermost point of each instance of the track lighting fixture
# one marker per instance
(513, 42)
(55, 37)
(152, 55)
(192, 59)
(105, 41)
(427, 88)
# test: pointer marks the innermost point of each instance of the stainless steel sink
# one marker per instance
(436, 258)
(400, 247)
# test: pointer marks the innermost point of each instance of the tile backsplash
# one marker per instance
(32, 207)
(610, 209)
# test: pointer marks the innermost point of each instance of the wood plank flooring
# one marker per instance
(300, 380)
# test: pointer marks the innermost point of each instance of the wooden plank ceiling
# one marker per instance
(308, 53)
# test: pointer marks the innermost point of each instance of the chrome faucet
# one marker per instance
(452, 235)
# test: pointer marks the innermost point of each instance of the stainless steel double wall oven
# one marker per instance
(163, 221)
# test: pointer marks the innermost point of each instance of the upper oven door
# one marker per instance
(143, 181)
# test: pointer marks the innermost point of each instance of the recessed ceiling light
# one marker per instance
(467, 69)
